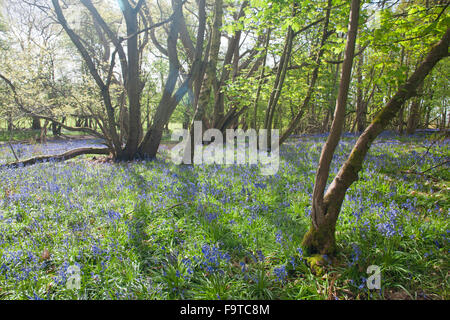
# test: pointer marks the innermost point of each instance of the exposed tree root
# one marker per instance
(61, 157)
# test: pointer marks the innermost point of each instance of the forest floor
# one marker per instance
(155, 230)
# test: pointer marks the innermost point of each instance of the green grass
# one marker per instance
(29, 135)
(153, 230)
(18, 135)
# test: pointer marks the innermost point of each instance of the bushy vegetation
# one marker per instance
(153, 230)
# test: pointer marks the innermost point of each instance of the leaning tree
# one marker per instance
(326, 204)
(125, 53)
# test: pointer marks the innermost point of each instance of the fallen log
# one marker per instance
(61, 157)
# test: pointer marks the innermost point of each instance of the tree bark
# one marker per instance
(104, 89)
(61, 157)
(402, 110)
(360, 105)
(169, 101)
(279, 81)
(414, 115)
(260, 80)
(210, 83)
(312, 85)
(219, 95)
(36, 124)
(133, 84)
(321, 236)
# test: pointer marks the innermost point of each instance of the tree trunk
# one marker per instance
(443, 124)
(401, 121)
(279, 81)
(43, 136)
(321, 236)
(201, 102)
(61, 157)
(315, 73)
(102, 85)
(169, 101)
(360, 105)
(414, 115)
(401, 116)
(260, 80)
(219, 97)
(56, 127)
(36, 124)
(334, 88)
(210, 82)
(325, 122)
(428, 108)
(133, 84)
(10, 122)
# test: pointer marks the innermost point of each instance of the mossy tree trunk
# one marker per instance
(320, 238)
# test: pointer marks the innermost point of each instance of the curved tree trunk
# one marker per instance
(61, 157)
(321, 236)
(150, 144)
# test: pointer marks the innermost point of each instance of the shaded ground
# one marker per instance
(153, 230)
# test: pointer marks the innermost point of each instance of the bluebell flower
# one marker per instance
(280, 273)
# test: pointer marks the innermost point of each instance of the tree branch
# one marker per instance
(62, 157)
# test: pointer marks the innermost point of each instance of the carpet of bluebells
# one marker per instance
(26, 150)
(154, 230)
